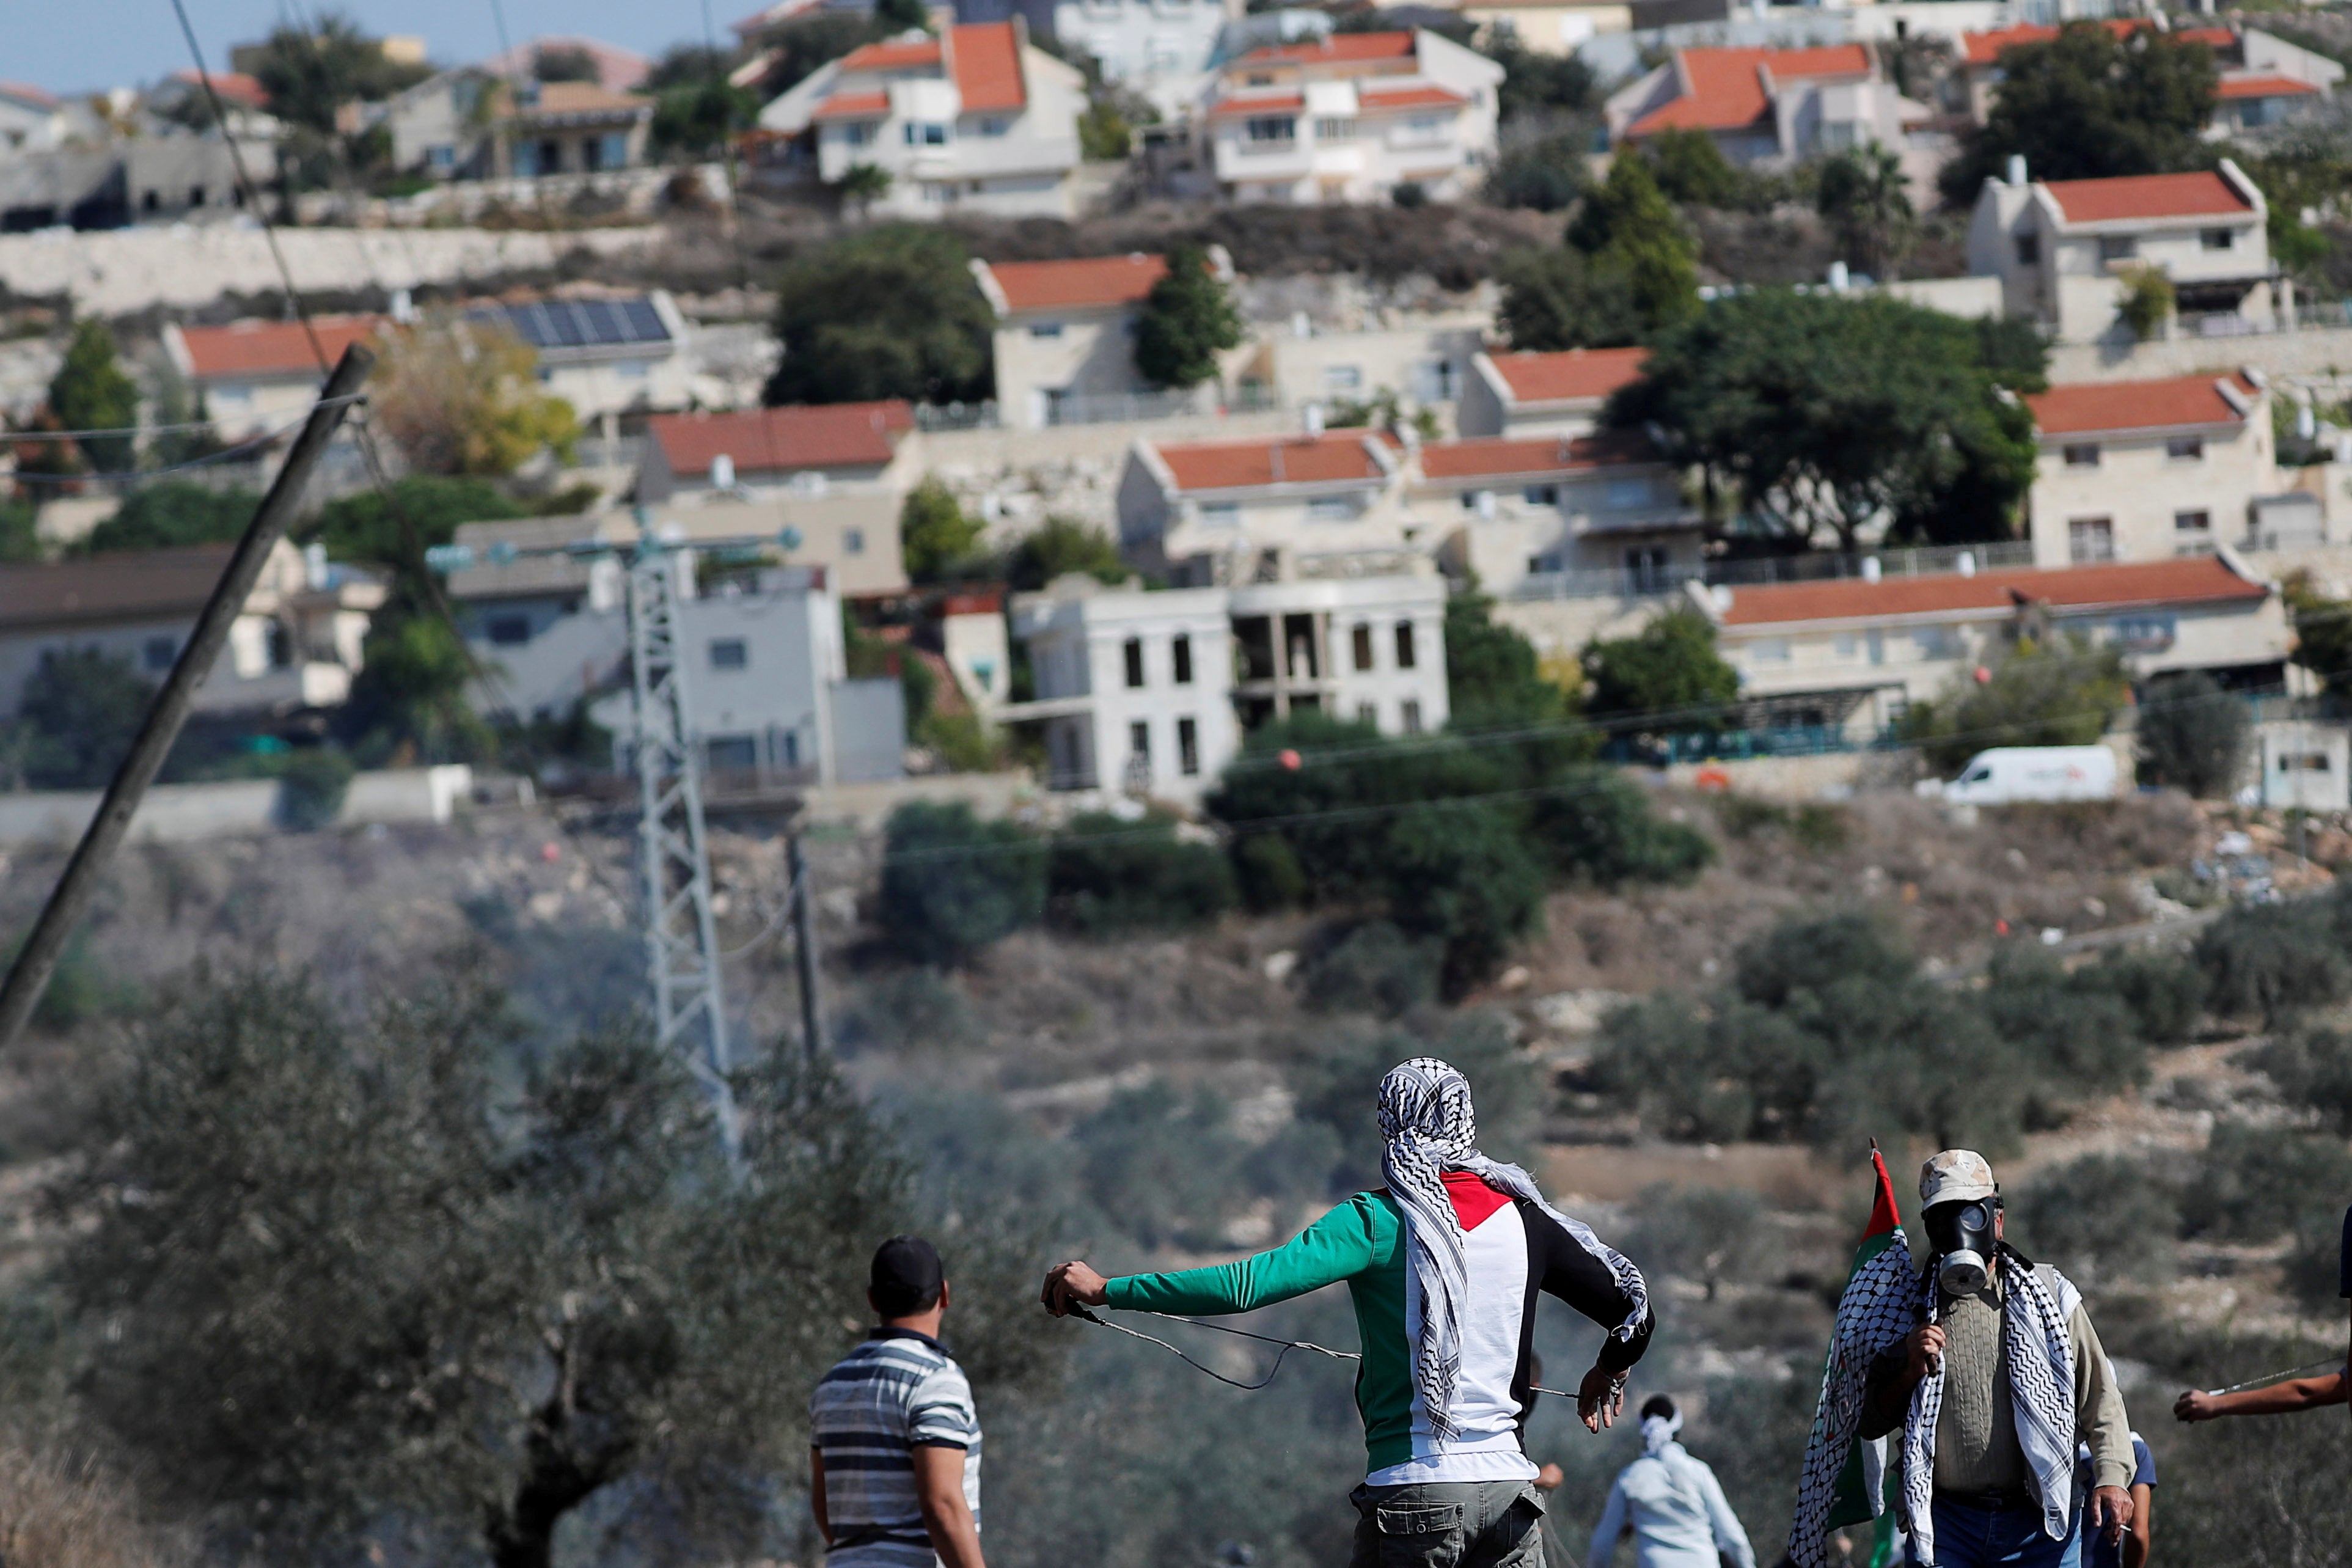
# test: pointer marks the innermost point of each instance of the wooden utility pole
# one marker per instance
(69, 899)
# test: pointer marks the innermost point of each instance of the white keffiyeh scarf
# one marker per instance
(1428, 1128)
(1883, 1302)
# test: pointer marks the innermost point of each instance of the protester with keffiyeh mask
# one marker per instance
(1672, 1502)
(1443, 1264)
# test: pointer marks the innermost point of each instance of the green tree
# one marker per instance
(951, 884)
(2148, 302)
(76, 716)
(408, 702)
(20, 530)
(2088, 105)
(1492, 677)
(2323, 633)
(311, 787)
(2065, 693)
(1704, 1235)
(463, 398)
(2193, 734)
(935, 533)
(1538, 85)
(1545, 175)
(1104, 134)
(1861, 193)
(1628, 224)
(1668, 669)
(2273, 961)
(171, 513)
(1187, 320)
(889, 312)
(93, 392)
(861, 186)
(311, 72)
(699, 120)
(2313, 1068)
(1820, 412)
(1690, 168)
(1105, 876)
(1060, 545)
(1561, 298)
(2108, 1217)
(687, 65)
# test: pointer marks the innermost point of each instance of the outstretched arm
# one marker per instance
(2278, 1399)
(1336, 1247)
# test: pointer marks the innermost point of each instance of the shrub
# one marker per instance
(1460, 876)
(2252, 1184)
(1599, 826)
(913, 1007)
(2148, 302)
(2192, 734)
(311, 786)
(1545, 176)
(951, 884)
(1104, 876)
(1669, 670)
(2313, 1068)
(2080, 1032)
(1268, 873)
(1187, 320)
(2166, 996)
(1706, 1234)
(79, 713)
(2061, 695)
(2271, 959)
(1163, 1163)
(1375, 968)
(2103, 1216)
(1410, 194)
(171, 513)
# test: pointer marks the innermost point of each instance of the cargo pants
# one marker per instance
(1449, 1525)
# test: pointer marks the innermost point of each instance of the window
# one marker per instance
(858, 134)
(1188, 747)
(1936, 642)
(1408, 715)
(1044, 328)
(1404, 650)
(1359, 643)
(995, 125)
(1138, 747)
(1343, 377)
(614, 151)
(159, 652)
(732, 753)
(729, 653)
(2083, 454)
(2303, 761)
(2117, 248)
(505, 631)
(2192, 522)
(1221, 513)
(1271, 128)
(2091, 538)
(1769, 650)
(1845, 645)
(2185, 449)
(1426, 127)
(2218, 239)
(1646, 565)
(1180, 655)
(1331, 509)
(1540, 495)
(1623, 494)
(2029, 250)
(2144, 634)
(853, 542)
(1470, 499)
(440, 157)
(925, 133)
(1133, 653)
(1333, 129)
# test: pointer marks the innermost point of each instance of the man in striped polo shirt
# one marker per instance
(1444, 1264)
(894, 1439)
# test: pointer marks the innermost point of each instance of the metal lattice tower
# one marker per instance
(681, 931)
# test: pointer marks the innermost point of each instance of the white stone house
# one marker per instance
(1349, 118)
(2063, 248)
(1236, 511)
(2145, 470)
(1507, 510)
(1149, 693)
(1160, 50)
(1775, 108)
(974, 119)
(1558, 394)
(609, 355)
(1851, 653)
(1064, 346)
(809, 450)
(262, 375)
(31, 119)
(1425, 363)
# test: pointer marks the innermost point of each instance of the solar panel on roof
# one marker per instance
(580, 323)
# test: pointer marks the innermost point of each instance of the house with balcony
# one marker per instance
(1849, 656)
(2146, 471)
(259, 376)
(1560, 394)
(1349, 118)
(1422, 358)
(2065, 248)
(807, 450)
(1771, 107)
(292, 649)
(1209, 512)
(974, 119)
(1063, 345)
(1511, 509)
(1149, 693)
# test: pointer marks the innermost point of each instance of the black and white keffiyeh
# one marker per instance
(1881, 1305)
(1428, 1128)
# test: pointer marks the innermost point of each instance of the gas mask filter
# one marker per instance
(1961, 1233)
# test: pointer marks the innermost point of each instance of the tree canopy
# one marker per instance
(1187, 320)
(1820, 412)
(935, 533)
(1668, 667)
(2087, 105)
(173, 513)
(309, 72)
(1862, 193)
(1628, 224)
(2053, 693)
(461, 397)
(91, 391)
(889, 312)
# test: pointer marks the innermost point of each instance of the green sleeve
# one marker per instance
(1334, 1249)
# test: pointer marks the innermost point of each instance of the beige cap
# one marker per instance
(1955, 1177)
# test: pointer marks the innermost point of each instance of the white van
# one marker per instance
(2009, 775)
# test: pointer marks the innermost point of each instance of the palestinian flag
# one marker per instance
(1866, 1468)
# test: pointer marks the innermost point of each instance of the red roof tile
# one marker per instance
(2178, 403)
(1726, 85)
(1572, 373)
(1335, 457)
(987, 57)
(2212, 38)
(1278, 103)
(2193, 579)
(1095, 280)
(234, 86)
(892, 56)
(26, 92)
(854, 106)
(1984, 48)
(272, 348)
(1551, 455)
(2264, 87)
(2200, 195)
(779, 440)
(1373, 102)
(1339, 46)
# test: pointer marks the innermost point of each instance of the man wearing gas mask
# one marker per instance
(2000, 1380)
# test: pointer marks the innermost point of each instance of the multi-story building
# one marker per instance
(2145, 470)
(1351, 118)
(1775, 108)
(1550, 26)
(974, 119)
(1149, 693)
(471, 123)
(1851, 653)
(1065, 341)
(575, 128)
(262, 375)
(1543, 394)
(2064, 250)
(1234, 511)
(1509, 508)
(813, 449)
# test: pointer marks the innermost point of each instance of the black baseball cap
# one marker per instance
(905, 1276)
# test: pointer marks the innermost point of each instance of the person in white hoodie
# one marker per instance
(1672, 1504)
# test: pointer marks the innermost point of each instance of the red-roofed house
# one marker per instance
(1513, 508)
(1349, 118)
(1065, 338)
(31, 118)
(1543, 394)
(261, 375)
(1854, 653)
(2148, 470)
(1215, 512)
(809, 450)
(2062, 247)
(1774, 107)
(974, 119)
(2264, 80)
